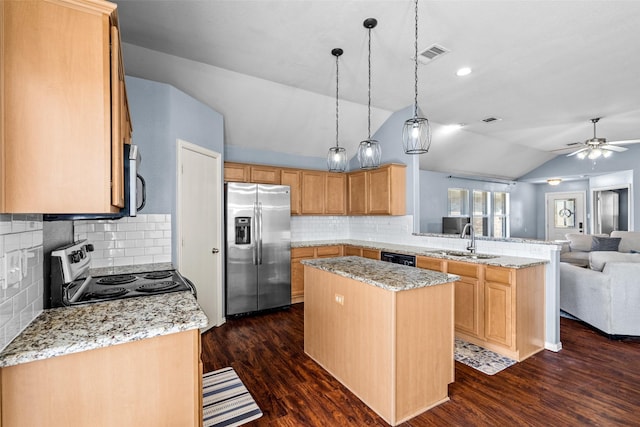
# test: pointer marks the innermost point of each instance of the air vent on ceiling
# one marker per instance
(432, 52)
(491, 119)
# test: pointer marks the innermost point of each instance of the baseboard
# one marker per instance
(556, 347)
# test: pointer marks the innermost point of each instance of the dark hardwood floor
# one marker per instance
(592, 381)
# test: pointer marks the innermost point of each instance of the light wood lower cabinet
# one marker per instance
(151, 382)
(297, 269)
(360, 251)
(498, 308)
(394, 350)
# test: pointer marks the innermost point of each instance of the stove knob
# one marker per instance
(89, 247)
(75, 257)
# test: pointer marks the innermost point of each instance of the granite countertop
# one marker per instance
(499, 260)
(386, 275)
(66, 330)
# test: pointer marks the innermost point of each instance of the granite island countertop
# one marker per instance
(385, 275)
(499, 261)
(67, 330)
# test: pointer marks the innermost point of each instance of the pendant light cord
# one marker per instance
(369, 91)
(415, 104)
(337, 112)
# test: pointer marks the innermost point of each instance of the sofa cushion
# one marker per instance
(597, 260)
(630, 240)
(605, 243)
(577, 258)
(579, 242)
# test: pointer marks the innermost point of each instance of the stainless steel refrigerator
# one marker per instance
(258, 252)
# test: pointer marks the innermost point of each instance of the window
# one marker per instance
(480, 217)
(458, 202)
(501, 214)
(489, 210)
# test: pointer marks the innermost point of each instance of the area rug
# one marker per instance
(480, 358)
(226, 401)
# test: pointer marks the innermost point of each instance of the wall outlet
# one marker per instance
(339, 299)
(12, 268)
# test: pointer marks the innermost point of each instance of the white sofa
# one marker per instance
(606, 293)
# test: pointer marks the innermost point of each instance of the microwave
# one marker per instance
(135, 193)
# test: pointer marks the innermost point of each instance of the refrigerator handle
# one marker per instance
(259, 242)
(254, 232)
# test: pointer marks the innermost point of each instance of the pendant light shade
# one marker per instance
(416, 132)
(337, 156)
(369, 152)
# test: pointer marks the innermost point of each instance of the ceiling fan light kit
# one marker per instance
(416, 132)
(369, 151)
(337, 156)
(595, 147)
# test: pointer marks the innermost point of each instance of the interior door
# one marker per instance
(200, 225)
(565, 214)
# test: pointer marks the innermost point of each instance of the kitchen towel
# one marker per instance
(226, 401)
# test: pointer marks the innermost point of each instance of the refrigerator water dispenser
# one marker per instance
(243, 230)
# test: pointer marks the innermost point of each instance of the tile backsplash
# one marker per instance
(390, 229)
(21, 288)
(143, 239)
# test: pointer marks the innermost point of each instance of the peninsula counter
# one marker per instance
(383, 330)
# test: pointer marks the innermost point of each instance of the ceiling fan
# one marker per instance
(599, 147)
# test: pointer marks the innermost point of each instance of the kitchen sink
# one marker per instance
(464, 254)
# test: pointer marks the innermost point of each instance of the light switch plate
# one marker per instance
(12, 268)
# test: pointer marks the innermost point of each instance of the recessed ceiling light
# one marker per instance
(464, 71)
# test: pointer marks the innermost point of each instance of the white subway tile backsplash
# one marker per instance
(134, 240)
(21, 302)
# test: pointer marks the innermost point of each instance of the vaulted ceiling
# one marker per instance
(544, 68)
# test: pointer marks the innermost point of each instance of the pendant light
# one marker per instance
(416, 132)
(337, 157)
(369, 150)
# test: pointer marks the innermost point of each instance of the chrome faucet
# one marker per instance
(472, 243)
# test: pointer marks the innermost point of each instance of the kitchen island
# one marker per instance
(383, 330)
(127, 362)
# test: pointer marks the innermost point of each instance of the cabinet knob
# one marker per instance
(215, 250)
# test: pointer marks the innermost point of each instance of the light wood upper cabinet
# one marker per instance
(378, 191)
(313, 189)
(291, 177)
(264, 174)
(314, 192)
(236, 172)
(63, 106)
(242, 172)
(335, 199)
(323, 193)
(357, 184)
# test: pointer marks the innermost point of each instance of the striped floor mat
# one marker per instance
(226, 401)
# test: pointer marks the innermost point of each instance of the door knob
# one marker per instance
(215, 250)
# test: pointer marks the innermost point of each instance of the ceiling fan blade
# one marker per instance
(614, 148)
(577, 151)
(626, 141)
